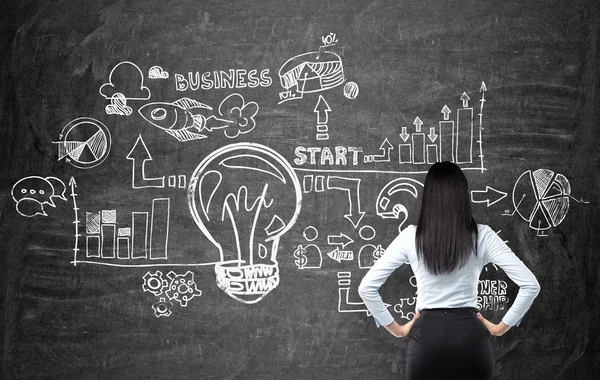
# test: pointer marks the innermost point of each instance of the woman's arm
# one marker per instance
(392, 258)
(500, 254)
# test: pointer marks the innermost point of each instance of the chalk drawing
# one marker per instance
(162, 308)
(308, 256)
(310, 233)
(309, 73)
(541, 198)
(352, 188)
(157, 72)
(489, 196)
(182, 287)
(85, 143)
(155, 283)
(126, 78)
(385, 155)
(33, 192)
(183, 119)
(118, 106)
(351, 90)
(322, 110)
(139, 155)
(367, 233)
(146, 238)
(394, 196)
(492, 295)
(73, 185)
(369, 254)
(188, 119)
(232, 196)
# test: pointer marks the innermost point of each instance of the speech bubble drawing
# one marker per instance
(33, 192)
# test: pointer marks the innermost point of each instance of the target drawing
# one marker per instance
(541, 198)
(85, 143)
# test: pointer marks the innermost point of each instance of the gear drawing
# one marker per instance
(182, 287)
(162, 308)
(154, 283)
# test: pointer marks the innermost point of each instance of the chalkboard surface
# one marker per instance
(194, 189)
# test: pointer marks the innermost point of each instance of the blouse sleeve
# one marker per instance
(500, 254)
(394, 256)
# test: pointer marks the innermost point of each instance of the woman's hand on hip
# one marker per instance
(494, 329)
(400, 331)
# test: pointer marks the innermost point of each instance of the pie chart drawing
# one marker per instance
(85, 143)
(541, 197)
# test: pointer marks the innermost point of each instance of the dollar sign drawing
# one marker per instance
(378, 252)
(300, 255)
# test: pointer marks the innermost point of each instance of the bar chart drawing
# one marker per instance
(456, 138)
(147, 237)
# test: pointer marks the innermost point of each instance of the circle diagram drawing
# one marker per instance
(85, 143)
(541, 197)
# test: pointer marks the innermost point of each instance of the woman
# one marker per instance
(447, 250)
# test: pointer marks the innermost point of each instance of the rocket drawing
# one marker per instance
(183, 119)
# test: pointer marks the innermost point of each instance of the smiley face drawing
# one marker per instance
(33, 192)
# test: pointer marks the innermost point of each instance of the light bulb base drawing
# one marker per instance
(247, 283)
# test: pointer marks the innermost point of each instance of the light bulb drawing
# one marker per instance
(244, 197)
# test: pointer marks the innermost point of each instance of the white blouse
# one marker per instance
(449, 290)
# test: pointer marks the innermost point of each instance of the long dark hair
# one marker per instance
(446, 231)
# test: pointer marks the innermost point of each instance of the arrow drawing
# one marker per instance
(340, 239)
(352, 187)
(339, 255)
(446, 111)
(489, 196)
(465, 99)
(139, 154)
(73, 185)
(322, 109)
(482, 89)
(404, 135)
(432, 135)
(385, 147)
(418, 123)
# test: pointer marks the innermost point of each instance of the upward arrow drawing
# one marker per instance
(139, 154)
(446, 111)
(465, 99)
(73, 185)
(322, 109)
(418, 123)
(385, 147)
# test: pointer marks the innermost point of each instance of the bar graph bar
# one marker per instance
(432, 154)
(464, 136)
(405, 153)
(418, 141)
(123, 250)
(159, 229)
(446, 140)
(108, 235)
(92, 246)
(139, 236)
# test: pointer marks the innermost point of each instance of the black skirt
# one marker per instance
(447, 344)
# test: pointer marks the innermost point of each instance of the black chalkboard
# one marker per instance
(193, 190)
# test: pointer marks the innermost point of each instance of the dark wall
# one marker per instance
(183, 231)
